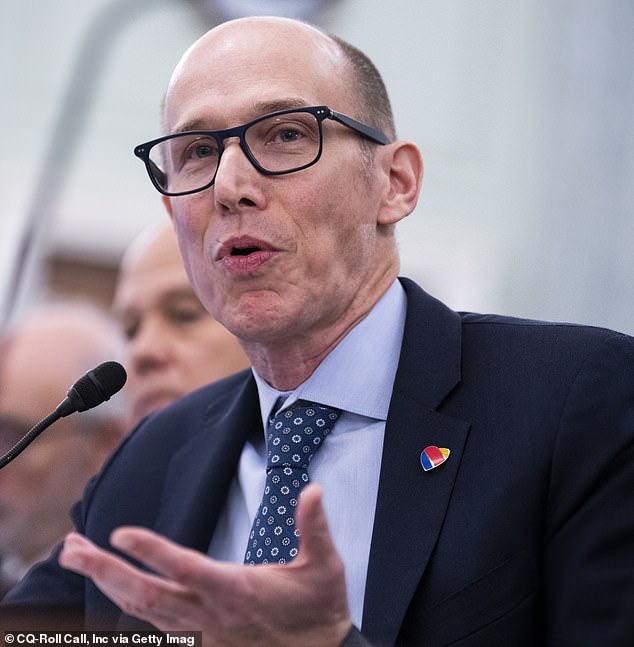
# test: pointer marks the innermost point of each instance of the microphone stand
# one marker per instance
(28, 438)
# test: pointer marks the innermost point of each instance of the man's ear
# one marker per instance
(167, 204)
(403, 166)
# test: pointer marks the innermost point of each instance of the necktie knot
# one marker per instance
(293, 437)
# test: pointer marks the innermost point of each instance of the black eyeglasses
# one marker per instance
(278, 143)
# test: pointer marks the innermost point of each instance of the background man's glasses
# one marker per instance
(277, 143)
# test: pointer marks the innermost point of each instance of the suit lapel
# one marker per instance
(201, 472)
(412, 503)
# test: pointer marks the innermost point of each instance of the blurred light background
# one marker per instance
(523, 110)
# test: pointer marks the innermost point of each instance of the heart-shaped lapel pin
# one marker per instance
(433, 456)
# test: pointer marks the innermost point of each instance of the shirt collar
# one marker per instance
(358, 374)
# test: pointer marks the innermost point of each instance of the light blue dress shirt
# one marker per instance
(356, 377)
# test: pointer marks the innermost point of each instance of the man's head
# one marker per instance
(40, 359)
(296, 259)
(174, 345)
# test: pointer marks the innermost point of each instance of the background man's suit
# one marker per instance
(528, 523)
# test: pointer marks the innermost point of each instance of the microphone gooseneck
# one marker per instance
(90, 390)
(28, 438)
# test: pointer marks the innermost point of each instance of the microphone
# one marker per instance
(90, 390)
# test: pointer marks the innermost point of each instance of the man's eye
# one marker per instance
(129, 328)
(289, 135)
(186, 315)
(200, 150)
(203, 150)
(197, 150)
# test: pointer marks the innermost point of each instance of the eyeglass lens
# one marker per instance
(276, 144)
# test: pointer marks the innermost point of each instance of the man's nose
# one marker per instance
(150, 345)
(236, 179)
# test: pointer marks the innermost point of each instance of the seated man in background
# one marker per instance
(174, 345)
(40, 359)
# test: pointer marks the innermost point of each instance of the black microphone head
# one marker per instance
(96, 386)
(90, 390)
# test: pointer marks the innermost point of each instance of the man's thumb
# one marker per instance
(310, 518)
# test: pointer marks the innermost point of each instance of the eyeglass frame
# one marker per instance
(142, 151)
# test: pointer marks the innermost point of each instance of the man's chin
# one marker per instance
(153, 403)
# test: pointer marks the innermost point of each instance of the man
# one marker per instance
(519, 535)
(40, 359)
(174, 346)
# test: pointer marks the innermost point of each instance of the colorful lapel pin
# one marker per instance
(433, 456)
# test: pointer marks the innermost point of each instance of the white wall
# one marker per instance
(523, 111)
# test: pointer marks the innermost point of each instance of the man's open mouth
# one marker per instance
(244, 254)
(244, 251)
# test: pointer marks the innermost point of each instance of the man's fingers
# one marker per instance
(124, 584)
(79, 554)
(186, 566)
(318, 556)
(315, 540)
(136, 592)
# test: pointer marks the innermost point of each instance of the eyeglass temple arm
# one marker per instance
(161, 176)
(368, 131)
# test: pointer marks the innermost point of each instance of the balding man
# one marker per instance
(468, 478)
(174, 344)
(39, 360)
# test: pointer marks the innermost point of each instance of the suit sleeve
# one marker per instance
(588, 570)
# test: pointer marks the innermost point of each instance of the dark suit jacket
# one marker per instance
(524, 536)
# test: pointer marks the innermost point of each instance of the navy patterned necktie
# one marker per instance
(293, 437)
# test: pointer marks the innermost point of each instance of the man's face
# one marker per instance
(314, 232)
(39, 486)
(174, 345)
